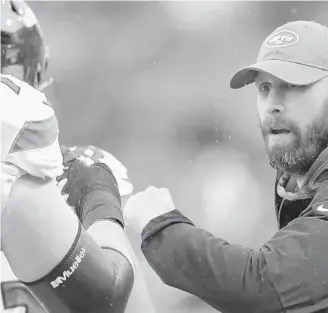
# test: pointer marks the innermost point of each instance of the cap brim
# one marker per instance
(293, 73)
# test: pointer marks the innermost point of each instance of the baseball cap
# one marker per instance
(296, 52)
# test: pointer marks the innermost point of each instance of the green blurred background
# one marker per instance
(149, 82)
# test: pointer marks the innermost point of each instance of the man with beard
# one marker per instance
(289, 272)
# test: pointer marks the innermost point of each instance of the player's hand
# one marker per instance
(83, 177)
(141, 208)
(91, 154)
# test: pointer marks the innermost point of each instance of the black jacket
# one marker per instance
(289, 273)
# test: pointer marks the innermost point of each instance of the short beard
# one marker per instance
(297, 159)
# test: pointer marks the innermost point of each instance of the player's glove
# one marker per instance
(98, 155)
(90, 185)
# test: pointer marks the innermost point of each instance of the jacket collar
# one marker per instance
(311, 180)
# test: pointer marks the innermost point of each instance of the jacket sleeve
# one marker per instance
(226, 276)
(279, 277)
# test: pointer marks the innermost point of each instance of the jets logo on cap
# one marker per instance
(283, 38)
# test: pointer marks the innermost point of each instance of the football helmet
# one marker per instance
(23, 51)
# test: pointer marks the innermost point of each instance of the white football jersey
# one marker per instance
(29, 134)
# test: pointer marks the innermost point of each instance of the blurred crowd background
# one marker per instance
(149, 82)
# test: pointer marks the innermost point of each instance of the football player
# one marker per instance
(48, 245)
(25, 55)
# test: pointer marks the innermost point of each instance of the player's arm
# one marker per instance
(114, 174)
(50, 251)
(95, 184)
(94, 195)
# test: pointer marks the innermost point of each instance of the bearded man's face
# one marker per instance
(293, 122)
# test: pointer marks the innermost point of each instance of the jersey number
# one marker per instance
(15, 294)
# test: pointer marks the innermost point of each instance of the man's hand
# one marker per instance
(141, 208)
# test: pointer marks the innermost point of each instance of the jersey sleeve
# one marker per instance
(29, 130)
(29, 133)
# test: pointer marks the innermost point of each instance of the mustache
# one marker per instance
(271, 124)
